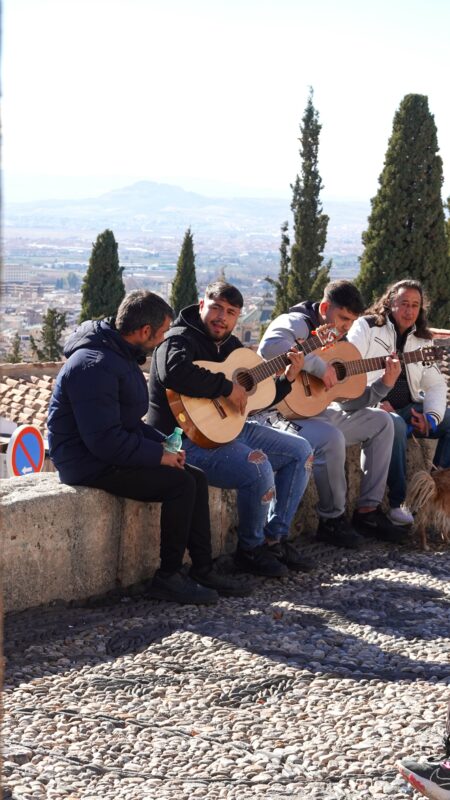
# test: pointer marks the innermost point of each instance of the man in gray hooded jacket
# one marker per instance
(340, 425)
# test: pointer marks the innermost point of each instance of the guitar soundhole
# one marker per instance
(341, 372)
(245, 380)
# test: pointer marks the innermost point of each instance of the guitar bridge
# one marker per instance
(220, 409)
(306, 383)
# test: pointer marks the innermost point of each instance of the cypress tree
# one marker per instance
(49, 348)
(15, 355)
(73, 281)
(281, 285)
(184, 286)
(103, 289)
(448, 226)
(307, 274)
(406, 237)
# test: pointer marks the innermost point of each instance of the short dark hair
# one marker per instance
(381, 307)
(344, 294)
(141, 308)
(221, 290)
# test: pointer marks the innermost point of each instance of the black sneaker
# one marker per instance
(260, 561)
(180, 588)
(338, 532)
(377, 525)
(289, 555)
(225, 585)
(431, 777)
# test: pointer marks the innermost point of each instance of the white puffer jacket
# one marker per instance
(426, 382)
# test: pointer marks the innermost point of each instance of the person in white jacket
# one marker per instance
(331, 431)
(397, 322)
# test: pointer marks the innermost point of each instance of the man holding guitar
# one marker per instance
(332, 430)
(417, 402)
(266, 501)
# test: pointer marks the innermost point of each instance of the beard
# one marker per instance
(217, 335)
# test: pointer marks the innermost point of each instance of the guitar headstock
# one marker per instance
(432, 353)
(327, 334)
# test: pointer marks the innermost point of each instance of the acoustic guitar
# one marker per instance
(309, 397)
(213, 422)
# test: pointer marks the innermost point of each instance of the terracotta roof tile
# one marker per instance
(24, 396)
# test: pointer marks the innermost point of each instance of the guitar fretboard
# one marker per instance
(268, 368)
(379, 362)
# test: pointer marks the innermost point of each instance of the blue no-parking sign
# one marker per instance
(25, 452)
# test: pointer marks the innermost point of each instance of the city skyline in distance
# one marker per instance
(149, 220)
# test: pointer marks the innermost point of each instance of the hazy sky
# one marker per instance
(209, 94)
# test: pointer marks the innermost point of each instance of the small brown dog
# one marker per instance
(429, 500)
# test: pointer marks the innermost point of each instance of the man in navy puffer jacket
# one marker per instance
(97, 438)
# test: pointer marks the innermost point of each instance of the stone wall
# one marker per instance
(63, 543)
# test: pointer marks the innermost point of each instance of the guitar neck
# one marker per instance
(268, 368)
(362, 365)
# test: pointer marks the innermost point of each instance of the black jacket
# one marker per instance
(172, 368)
(95, 413)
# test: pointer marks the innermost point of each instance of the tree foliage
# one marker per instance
(15, 355)
(49, 347)
(307, 273)
(73, 281)
(184, 286)
(281, 285)
(448, 226)
(103, 289)
(70, 281)
(406, 235)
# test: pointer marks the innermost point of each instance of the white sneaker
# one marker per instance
(400, 516)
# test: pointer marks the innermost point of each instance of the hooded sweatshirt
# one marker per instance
(95, 413)
(172, 367)
(284, 331)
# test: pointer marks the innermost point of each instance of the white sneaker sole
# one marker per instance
(400, 524)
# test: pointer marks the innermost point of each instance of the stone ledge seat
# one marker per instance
(67, 543)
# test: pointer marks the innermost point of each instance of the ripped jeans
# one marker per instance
(266, 501)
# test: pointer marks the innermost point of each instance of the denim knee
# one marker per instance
(400, 427)
(258, 470)
(306, 452)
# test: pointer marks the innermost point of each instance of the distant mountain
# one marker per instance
(150, 208)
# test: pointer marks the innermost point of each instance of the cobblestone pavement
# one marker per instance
(311, 688)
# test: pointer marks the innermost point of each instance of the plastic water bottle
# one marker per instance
(174, 442)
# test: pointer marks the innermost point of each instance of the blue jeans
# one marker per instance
(397, 468)
(266, 501)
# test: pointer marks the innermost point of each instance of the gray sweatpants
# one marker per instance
(329, 434)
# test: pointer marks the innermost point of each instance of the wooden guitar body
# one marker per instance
(210, 423)
(308, 396)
